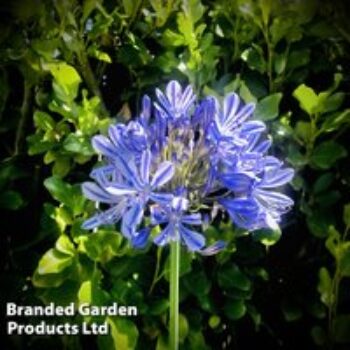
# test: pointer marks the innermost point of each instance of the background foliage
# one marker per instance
(68, 69)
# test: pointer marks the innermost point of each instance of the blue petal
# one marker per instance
(163, 101)
(271, 221)
(253, 127)
(145, 166)
(160, 128)
(187, 97)
(243, 212)
(204, 113)
(96, 193)
(192, 219)
(193, 240)
(272, 162)
(115, 135)
(102, 145)
(213, 249)
(273, 200)
(165, 236)
(128, 169)
(120, 189)
(107, 217)
(239, 183)
(263, 146)
(173, 92)
(139, 239)
(230, 107)
(162, 198)
(131, 220)
(179, 204)
(276, 177)
(104, 174)
(158, 216)
(146, 110)
(92, 222)
(244, 113)
(163, 174)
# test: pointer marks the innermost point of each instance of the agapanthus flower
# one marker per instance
(181, 156)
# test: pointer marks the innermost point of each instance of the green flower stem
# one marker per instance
(174, 294)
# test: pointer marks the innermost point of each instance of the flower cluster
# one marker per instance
(180, 156)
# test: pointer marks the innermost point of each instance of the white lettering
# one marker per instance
(95, 328)
(11, 309)
(11, 326)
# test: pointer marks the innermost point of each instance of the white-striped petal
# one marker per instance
(164, 174)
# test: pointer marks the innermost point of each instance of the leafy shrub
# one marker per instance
(69, 69)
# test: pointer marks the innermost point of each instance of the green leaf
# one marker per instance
(162, 342)
(303, 131)
(295, 157)
(11, 200)
(330, 103)
(266, 7)
(65, 246)
(334, 121)
(103, 245)
(67, 79)
(317, 309)
(298, 59)
(291, 311)
(61, 166)
(214, 321)
(52, 280)
(344, 259)
(268, 107)
(235, 309)
(170, 38)
(197, 283)
(255, 315)
(254, 57)
(88, 7)
(65, 193)
(280, 63)
(318, 222)
(323, 183)
(183, 328)
(37, 145)
(230, 276)
(245, 93)
(100, 55)
(325, 286)
(319, 335)
(327, 153)
(193, 9)
(206, 302)
(158, 307)
(78, 144)
(64, 294)
(196, 340)
(59, 190)
(124, 333)
(307, 98)
(43, 121)
(85, 292)
(54, 261)
(131, 7)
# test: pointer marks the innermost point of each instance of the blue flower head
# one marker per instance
(179, 153)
